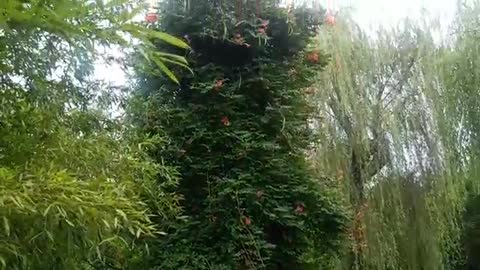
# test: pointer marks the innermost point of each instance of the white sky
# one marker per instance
(369, 14)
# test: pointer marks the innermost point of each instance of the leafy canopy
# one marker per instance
(74, 182)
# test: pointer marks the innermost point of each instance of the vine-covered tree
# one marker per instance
(239, 135)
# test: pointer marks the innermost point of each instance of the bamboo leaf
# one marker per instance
(45, 213)
(106, 223)
(107, 240)
(144, 54)
(3, 262)
(174, 56)
(69, 223)
(17, 201)
(166, 70)
(178, 64)
(124, 216)
(35, 237)
(169, 39)
(6, 226)
(50, 236)
(99, 254)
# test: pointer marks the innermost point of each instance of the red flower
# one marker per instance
(151, 17)
(300, 208)
(330, 19)
(339, 174)
(247, 221)
(225, 121)
(218, 84)
(265, 23)
(313, 57)
(262, 29)
(310, 91)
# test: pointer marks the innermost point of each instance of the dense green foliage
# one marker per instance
(239, 137)
(248, 156)
(74, 183)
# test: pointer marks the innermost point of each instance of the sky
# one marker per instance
(369, 14)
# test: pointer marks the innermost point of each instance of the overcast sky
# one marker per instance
(369, 14)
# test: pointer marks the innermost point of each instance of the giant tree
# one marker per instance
(239, 135)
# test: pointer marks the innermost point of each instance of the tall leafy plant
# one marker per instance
(74, 183)
(239, 136)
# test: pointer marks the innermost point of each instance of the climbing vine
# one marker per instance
(239, 136)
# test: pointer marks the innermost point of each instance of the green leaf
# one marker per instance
(99, 254)
(35, 236)
(177, 63)
(50, 236)
(3, 262)
(144, 54)
(45, 213)
(174, 56)
(108, 240)
(166, 70)
(17, 201)
(69, 223)
(124, 216)
(106, 223)
(169, 39)
(6, 225)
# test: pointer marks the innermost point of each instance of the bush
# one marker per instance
(74, 183)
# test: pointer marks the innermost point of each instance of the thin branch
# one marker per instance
(335, 105)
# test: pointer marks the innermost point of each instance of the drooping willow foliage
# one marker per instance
(398, 114)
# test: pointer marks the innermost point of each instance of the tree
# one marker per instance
(358, 95)
(74, 182)
(459, 77)
(393, 112)
(239, 135)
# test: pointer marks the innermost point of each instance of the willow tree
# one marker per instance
(238, 134)
(386, 140)
(74, 182)
(459, 77)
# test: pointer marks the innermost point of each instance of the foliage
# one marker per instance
(394, 113)
(459, 74)
(239, 136)
(471, 232)
(359, 98)
(74, 182)
(263, 165)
